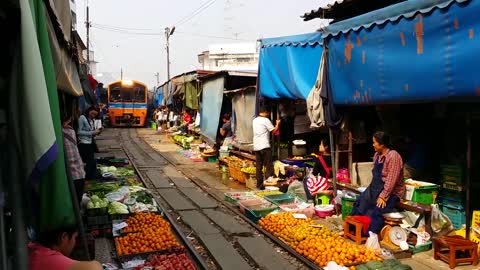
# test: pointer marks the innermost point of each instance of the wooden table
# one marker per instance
(423, 209)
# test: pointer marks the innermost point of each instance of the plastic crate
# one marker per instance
(281, 198)
(235, 197)
(422, 194)
(421, 248)
(224, 154)
(347, 206)
(453, 186)
(260, 207)
(451, 174)
(456, 213)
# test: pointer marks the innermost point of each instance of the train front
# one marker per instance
(127, 103)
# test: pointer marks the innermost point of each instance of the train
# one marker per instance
(127, 103)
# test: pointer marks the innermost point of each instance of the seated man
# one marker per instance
(51, 251)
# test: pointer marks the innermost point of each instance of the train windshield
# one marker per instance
(130, 94)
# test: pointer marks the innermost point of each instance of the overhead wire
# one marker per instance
(195, 12)
(120, 31)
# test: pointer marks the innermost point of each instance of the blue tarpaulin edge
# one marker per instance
(288, 66)
(406, 9)
(428, 57)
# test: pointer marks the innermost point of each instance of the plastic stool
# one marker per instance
(356, 234)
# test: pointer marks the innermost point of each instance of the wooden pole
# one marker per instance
(335, 161)
(468, 178)
(350, 154)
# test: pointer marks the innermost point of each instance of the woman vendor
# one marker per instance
(321, 172)
(387, 186)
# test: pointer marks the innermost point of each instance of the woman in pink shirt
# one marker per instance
(52, 251)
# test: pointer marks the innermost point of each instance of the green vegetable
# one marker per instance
(90, 205)
(402, 267)
(391, 262)
(96, 202)
(374, 265)
(361, 267)
(143, 197)
(117, 208)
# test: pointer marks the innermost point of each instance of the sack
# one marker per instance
(372, 241)
(296, 188)
(314, 100)
(440, 221)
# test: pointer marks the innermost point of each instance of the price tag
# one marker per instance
(119, 226)
(300, 216)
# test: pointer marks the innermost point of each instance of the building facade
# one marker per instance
(238, 56)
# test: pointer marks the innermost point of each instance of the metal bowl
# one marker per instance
(394, 216)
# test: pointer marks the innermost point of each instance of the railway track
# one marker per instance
(216, 234)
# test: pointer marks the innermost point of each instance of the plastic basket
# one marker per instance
(323, 198)
(260, 207)
(255, 216)
(421, 194)
(347, 206)
(456, 213)
(236, 173)
(281, 198)
(421, 248)
(452, 186)
(235, 197)
(451, 174)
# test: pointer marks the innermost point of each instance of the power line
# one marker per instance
(194, 13)
(120, 31)
(123, 28)
(210, 36)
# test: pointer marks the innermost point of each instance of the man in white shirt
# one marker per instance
(262, 126)
(158, 116)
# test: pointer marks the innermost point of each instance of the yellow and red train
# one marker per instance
(127, 103)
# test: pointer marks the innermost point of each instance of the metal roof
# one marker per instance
(344, 9)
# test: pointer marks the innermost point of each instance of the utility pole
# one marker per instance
(121, 73)
(87, 24)
(168, 33)
(158, 78)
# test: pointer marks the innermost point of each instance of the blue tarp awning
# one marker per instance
(211, 106)
(288, 66)
(414, 51)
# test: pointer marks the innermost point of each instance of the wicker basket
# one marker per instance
(236, 173)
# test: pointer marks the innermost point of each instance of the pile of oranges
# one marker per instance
(276, 223)
(317, 243)
(147, 232)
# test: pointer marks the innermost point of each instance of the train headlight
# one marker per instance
(127, 82)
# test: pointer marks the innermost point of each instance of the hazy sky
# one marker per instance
(129, 34)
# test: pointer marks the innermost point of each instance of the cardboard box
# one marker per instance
(475, 233)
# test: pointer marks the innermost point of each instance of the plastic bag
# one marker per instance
(372, 241)
(119, 195)
(440, 221)
(296, 188)
(334, 266)
(343, 176)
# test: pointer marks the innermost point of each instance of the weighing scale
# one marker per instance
(392, 234)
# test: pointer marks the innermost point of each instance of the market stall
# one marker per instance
(117, 206)
(357, 46)
(213, 102)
